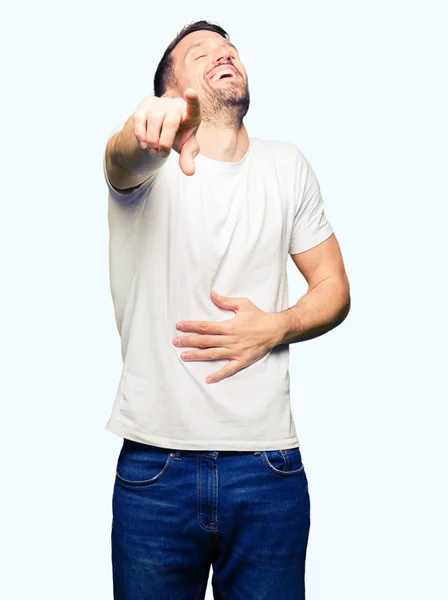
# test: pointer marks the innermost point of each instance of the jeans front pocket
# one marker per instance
(142, 464)
(284, 462)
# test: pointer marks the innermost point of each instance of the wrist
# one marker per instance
(281, 327)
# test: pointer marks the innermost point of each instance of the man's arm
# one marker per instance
(252, 332)
(327, 301)
(127, 163)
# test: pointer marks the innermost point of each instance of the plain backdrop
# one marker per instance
(360, 88)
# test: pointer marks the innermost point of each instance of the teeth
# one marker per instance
(221, 73)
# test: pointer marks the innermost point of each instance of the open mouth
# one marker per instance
(223, 74)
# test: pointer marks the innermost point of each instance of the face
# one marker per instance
(207, 62)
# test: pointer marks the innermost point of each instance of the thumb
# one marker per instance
(188, 153)
(232, 303)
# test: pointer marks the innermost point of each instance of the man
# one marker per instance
(210, 471)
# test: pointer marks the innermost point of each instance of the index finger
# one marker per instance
(193, 110)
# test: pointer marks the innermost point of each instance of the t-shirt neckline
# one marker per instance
(222, 165)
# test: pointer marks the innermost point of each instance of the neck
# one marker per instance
(222, 143)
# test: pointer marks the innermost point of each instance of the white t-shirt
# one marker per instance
(229, 227)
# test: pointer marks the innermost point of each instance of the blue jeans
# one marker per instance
(176, 512)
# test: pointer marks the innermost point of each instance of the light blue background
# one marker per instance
(360, 88)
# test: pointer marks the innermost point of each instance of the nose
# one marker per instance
(222, 53)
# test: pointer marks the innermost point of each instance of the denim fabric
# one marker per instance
(176, 513)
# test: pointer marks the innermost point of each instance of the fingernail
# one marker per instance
(153, 151)
(164, 153)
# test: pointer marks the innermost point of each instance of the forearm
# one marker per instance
(130, 155)
(321, 309)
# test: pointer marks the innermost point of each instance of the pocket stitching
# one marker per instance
(168, 464)
(277, 471)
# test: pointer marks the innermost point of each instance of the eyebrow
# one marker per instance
(197, 44)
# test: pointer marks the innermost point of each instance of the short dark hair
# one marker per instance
(164, 76)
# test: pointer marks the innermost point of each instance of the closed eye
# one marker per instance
(202, 56)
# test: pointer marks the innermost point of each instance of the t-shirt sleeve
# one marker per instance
(130, 195)
(310, 224)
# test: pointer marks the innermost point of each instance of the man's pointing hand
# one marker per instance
(185, 141)
(167, 122)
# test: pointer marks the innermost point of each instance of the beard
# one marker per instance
(226, 106)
